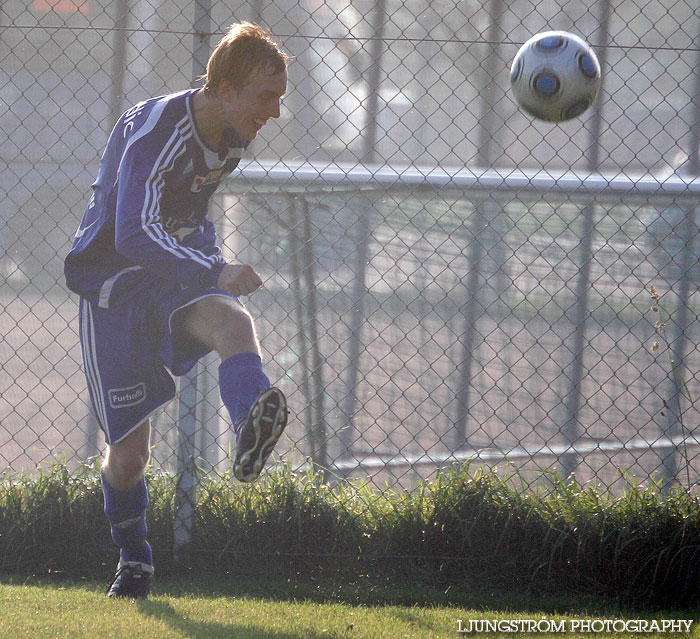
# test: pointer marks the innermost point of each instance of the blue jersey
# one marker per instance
(148, 211)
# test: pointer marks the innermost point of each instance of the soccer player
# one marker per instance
(155, 293)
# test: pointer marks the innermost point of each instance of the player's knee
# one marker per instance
(220, 324)
(132, 467)
(126, 467)
(232, 327)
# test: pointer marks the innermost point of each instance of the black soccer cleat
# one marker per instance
(132, 581)
(262, 429)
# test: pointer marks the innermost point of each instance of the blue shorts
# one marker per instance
(132, 349)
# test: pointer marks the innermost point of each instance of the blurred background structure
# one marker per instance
(445, 278)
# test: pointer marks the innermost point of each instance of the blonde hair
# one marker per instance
(245, 49)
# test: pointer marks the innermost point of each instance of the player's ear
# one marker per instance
(226, 90)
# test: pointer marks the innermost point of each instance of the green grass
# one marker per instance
(253, 610)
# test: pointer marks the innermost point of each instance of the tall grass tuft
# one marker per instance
(284, 514)
(469, 527)
(49, 518)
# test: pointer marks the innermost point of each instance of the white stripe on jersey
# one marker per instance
(92, 372)
(150, 214)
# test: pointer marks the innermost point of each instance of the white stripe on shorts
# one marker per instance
(92, 372)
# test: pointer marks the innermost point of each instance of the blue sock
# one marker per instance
(126, 512)
(241, 380)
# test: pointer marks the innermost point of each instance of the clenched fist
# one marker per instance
(238, 279)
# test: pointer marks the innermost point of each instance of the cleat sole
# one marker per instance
(266, 421)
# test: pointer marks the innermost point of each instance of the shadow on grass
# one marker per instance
(163, 611)
(369, 592)
(365, 592)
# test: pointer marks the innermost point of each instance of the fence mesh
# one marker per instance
(445, 279)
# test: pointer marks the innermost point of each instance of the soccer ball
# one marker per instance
(555, 76)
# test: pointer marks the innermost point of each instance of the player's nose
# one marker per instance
(275, 109)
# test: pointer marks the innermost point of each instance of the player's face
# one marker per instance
(249, 108)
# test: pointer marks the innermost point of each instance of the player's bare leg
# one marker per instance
(258, 411)
(223, 325)
(125, 462)
(126, 500)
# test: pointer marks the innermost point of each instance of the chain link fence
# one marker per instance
(445, 279)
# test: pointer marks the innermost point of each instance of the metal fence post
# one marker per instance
(677, 341)
(484, 212)
(469, 311)
(121, 20)
(358, 293)
(317, 429)
(675, 427)
(570, 429)
(358, 288)
(572, 401)
(186, 494)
